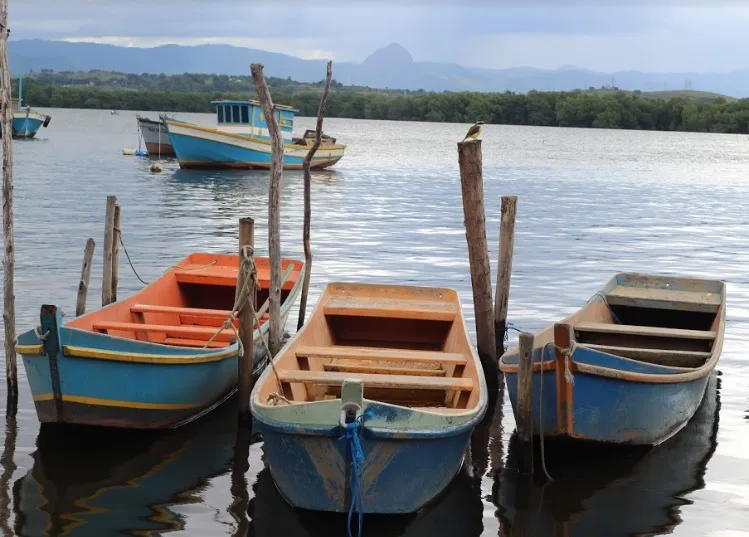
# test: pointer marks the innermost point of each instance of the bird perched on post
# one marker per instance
(474, 131)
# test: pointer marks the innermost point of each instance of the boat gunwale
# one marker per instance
(679, 375)
(475, 414)
(194, 356)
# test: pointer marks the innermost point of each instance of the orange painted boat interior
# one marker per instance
(408, 345)
(188, 303)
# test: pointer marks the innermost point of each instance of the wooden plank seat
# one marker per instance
(199, 343)
(404, 382)
(667, 299)
(390, 308)
(224, 275)
(195, 316)
(374, 354)
(646, 331)
(671, 358)
(356, 366)
(172, 331)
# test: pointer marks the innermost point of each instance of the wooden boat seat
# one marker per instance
(647, 331)
(200, 343)
(188, 332)
(375, 354)
(406, 382)
(667, 299)
(356, 366)
(227, 276)
(390, 308)
(152, 308)
(671, 358)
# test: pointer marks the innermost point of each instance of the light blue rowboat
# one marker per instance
(148, 362)
(241, 140)
(370, 407)
(631, 366)
(26, 122)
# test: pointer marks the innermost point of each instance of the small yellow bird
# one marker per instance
(474, 131)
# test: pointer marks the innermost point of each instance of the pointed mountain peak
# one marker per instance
(393, 54)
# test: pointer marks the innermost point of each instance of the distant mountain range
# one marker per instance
(389, 67)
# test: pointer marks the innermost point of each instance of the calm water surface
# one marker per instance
(591, 203)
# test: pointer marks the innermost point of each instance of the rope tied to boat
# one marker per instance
(356, 453)
(42, 337)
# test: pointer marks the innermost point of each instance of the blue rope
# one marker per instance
(351, 435)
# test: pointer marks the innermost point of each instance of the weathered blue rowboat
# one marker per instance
(371, 405)
(631, 366)
(26, 122)
(148, 362)
(241, 140)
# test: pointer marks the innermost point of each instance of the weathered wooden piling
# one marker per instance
(306, 163)
(116, 252)
(274, 203)
(246, 321)
(88, 258)
(9, 254)
(524, 415)
(504, 269)
(106, 278)
(472, 186)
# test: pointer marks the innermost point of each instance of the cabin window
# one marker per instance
(236, 113)
(220, 110)
(245, 115)
(227, 114)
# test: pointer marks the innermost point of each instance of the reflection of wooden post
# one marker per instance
(246, 321)
(9, 256)
(88, 257)
(274, 211)
(307, 196)
(524, 416)
(239, 486)
(106, 279)
(116, 252)
(472, 184)
(504, 269)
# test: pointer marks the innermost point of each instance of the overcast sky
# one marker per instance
(604, 35)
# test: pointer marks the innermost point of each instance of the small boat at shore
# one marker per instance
(631, 366)
(26, 122)
(373, 402)
(155, 136)
(241, 140)
(149, 361)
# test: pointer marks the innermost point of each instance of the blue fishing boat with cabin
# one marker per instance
(158, 359)
(241, 140)
(631, 366)
(26, 122)
(370, 407)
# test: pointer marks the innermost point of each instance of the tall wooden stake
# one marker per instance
(116, 252)
(246, 323)
(308, 197)
(88, 257)
(472, 185)
(274, 211)
(524, 416)
(9, 255)
(504, 269)
(106, 278)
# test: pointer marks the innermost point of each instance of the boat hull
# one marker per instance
(312, 468)
(199, 147)
(155, 137)
(612, 410)
(27, 126)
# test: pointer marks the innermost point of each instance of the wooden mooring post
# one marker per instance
(504, 268)
(524, 416)
(472, 186)
(88, 258)
(274, 210)
(116, 232)
(108, 244)
(308, 196)
(246, 321)
(9, 254)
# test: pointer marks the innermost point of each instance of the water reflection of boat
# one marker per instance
(613, 490)
(100, 482)
(457, 511)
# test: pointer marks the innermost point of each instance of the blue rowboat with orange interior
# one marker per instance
(148, 362)
(631, 366)
(241, 140)
(371, 405)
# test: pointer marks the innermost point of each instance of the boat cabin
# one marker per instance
(247, 118)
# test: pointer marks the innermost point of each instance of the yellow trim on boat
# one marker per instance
(98, 354)
(30, 350)
(121, 404)
(250, 138)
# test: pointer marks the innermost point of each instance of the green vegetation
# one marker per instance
(606, 108)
